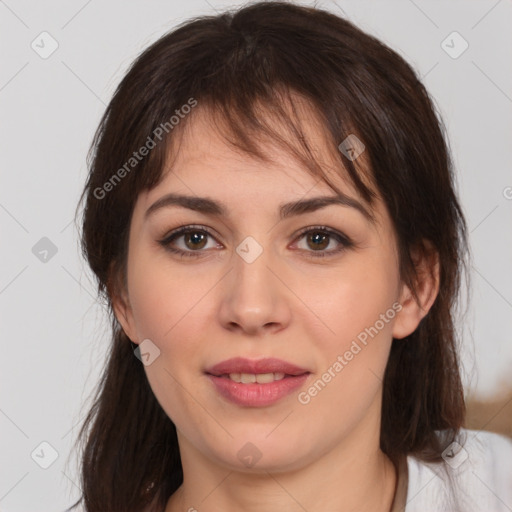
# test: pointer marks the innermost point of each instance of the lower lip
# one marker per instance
(257, 395)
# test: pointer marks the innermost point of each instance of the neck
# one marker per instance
(354, 476)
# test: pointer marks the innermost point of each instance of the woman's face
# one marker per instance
(315, 287)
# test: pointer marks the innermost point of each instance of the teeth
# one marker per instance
(260, 378)
(247, 378)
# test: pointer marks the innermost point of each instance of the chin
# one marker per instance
(258, 454)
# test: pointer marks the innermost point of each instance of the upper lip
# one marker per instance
(266, 365)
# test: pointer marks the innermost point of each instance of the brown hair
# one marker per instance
(230, 63)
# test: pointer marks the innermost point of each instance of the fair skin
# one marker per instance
(289, 304)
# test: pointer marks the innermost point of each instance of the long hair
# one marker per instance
(229, 64)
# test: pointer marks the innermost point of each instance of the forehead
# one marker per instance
(227, 182)
(205, 155)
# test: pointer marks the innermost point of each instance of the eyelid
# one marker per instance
(339, 236)
(174, 234)
(345, 241)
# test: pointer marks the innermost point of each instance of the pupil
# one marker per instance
(196, 238)
(317, 237)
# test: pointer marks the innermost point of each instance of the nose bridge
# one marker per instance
(251, 268)
(253, 298)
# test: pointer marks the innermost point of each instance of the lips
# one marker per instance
(262, 366)
(261, 383)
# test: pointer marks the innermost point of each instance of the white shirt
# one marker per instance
(481, 471)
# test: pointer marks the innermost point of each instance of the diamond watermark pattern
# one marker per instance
(44, 455)
(44, 250)
(249, 455)
(352, 147)
(454, 45)
(44, 45)
(249, 250)
(454, 455)
(147, 352)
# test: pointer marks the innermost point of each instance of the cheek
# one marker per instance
(358, 307)
(164, 298)
(169, 309)
(348, 301)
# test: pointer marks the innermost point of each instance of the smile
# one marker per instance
(250, 378)
(258, 390)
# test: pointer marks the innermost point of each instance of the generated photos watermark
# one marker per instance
(151, 143)
(305, 397)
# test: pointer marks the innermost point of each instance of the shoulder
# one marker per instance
(476, 475)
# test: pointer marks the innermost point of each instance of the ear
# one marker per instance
(426, 261)
(118, 294)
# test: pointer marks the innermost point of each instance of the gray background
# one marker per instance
(54, 336)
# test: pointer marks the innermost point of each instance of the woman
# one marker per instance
(271, 217)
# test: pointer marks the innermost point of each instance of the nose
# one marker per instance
(255, 300)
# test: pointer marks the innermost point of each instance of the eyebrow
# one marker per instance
(209, 206)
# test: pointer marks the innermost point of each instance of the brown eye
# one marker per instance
(187, 241)
(190, 241)
(195, 239)
(318, 240)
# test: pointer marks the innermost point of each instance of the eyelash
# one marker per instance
(345, 242)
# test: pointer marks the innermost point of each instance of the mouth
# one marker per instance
(259, 383)
(251, 378)
(249, 370)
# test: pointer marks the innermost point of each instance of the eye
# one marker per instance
(320, 238)
(195, 238)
